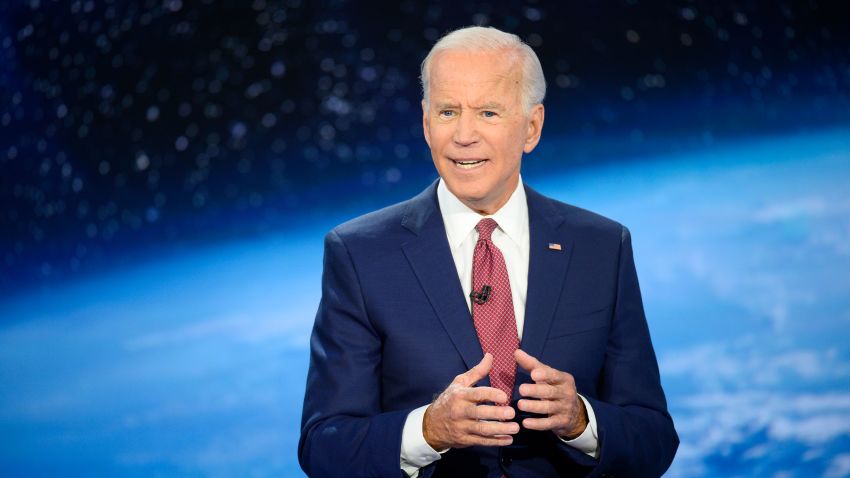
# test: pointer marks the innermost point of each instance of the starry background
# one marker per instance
(168, 168)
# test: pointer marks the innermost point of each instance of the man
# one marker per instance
(481, 329)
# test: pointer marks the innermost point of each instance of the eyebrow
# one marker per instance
(490, 106)
(446, 105)
(486, 106)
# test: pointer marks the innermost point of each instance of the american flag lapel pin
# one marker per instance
(554, 246)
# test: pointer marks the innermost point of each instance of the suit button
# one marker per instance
(506, 460)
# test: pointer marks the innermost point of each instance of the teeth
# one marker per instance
(468, 164)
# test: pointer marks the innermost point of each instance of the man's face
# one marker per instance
(476, 125)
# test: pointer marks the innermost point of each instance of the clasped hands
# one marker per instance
(464, 415)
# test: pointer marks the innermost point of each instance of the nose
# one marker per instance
(466, 131)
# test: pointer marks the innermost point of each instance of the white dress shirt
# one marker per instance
(512, 238)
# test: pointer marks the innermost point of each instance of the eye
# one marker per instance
(446, 113)
(489, 114)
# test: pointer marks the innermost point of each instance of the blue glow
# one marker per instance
(195, 364)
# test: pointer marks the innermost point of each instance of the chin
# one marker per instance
(467, 193)
(481, 204)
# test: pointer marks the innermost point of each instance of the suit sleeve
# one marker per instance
(636, 433)
(344, 431)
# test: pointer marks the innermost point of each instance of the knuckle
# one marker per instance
(560, 393)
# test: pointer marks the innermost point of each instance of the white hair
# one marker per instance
(479, 39)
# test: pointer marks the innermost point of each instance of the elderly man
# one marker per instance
(481, 329)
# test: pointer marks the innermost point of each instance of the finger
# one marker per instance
(539, 371)
(484, 394)
(555, 377)
(526, 361)
(543, 391)
(488, 429)
(490, 412)
(549, 423)
(543, 407)
(476, 373)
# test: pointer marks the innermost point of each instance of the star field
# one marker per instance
(144, 127)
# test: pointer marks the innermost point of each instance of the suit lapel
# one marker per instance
(431, 259)
(547, 269)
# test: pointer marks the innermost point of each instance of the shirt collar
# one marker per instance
(460, 220)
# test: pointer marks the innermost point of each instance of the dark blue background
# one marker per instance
(168, 169)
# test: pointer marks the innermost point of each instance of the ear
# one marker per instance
(426, 128)
(535, 127)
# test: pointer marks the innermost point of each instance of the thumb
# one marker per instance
(526, 360)
(476, 373)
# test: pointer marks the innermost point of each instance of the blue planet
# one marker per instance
(194, 364)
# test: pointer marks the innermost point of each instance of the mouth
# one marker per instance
(468, 163)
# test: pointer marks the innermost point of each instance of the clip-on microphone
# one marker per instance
(481, 297)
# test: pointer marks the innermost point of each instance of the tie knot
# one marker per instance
(485, 228)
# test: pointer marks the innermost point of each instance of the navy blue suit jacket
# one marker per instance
(393, 330)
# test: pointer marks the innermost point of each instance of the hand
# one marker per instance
(556, 396)
(457, 418)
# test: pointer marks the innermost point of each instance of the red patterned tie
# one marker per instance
(493, 308)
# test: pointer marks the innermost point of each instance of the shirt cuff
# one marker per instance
(415, 451)
(588, 441)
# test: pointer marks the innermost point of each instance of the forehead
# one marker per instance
(479, 73)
